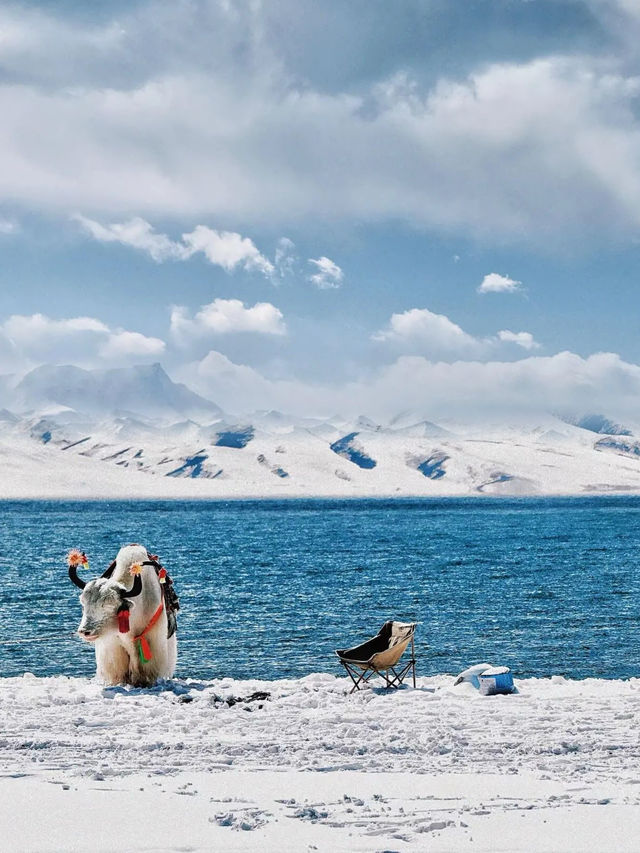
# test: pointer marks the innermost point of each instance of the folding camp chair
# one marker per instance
(380, 656)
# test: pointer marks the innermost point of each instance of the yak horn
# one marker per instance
(73, 574)
(108, 572)
(136, 589)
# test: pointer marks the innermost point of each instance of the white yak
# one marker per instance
(124, 615)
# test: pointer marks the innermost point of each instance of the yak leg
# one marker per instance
(165, 652)
(163, 660)
(172, 655)
(112, 661)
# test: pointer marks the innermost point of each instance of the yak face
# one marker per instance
(101, 599)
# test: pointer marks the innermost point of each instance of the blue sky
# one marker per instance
(295, 204)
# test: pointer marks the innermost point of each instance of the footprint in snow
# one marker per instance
(246, 820)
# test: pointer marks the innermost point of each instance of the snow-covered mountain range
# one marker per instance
(145, 390)
(67, 432)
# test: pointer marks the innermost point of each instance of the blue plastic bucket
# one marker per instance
(497, 679)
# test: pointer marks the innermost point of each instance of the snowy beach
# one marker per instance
(300, 764)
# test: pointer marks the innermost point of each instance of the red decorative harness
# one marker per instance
(144, 649)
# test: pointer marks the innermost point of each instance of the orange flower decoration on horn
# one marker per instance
(77, 558)
(135, 569)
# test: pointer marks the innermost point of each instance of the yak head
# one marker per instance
(103, 598)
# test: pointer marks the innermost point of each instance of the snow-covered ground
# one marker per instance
(220, 765)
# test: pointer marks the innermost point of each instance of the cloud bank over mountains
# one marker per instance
(465, 385)
(28, 341)
(564, 382)
(492, 391)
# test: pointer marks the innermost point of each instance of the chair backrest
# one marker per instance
(401, 636)
(383, 660)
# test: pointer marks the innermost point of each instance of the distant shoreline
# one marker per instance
(275, 499)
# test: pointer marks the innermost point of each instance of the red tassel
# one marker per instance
(162, 575)
(123, 621)
(145, 648)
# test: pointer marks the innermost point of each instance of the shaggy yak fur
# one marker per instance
(117, 658)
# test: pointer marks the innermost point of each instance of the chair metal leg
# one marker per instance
(413, 660)
(363, 676)
(357, 681)
(399, 677)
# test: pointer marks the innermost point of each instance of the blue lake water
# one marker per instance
(270, 588)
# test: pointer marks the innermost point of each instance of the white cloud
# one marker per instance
(422, 331)
(134, 114)
(285, 259)
(224, 316)
(131, 345)
(328, 275)
(138, 234)
(496, 283)
(240, 388)
(34, 329)
(225, 249)
(522, 339)
(35, 339)
(434, 333)
(563, 382)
